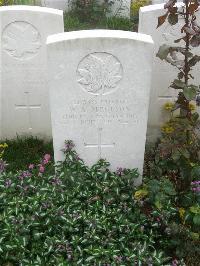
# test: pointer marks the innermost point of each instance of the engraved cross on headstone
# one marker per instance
(29, 107)
(99, 145)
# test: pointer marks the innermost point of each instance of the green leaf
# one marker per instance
(163, 51)
(195, 210)
(90, 258)
(189, 93)
(195, 117)
(194, 60)
(195, 172)
(196, 219)
(177, 84)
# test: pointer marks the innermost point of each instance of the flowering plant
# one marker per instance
(178, 152)
(78, 215)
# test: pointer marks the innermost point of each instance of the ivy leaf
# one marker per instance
(173, 19)
(162, 19)
(190, 93)
(163, 51)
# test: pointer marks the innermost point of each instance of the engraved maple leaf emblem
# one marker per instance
(100, 73)
(21, 40)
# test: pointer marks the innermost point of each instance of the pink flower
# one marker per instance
(41, 169)
(31, 166)
(174, 262)
(47, 158)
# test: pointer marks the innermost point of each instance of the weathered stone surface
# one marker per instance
(57, 4)
(119, 8)
(163, 73)
(99, 92)
(24, 93)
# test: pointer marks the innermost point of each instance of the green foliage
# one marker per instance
(118, 23)
(91, 11)
(135, 7)
(72, 21)
(177, 153)
(81, 216)
(22, 151)
(181, 56)
(177, 214)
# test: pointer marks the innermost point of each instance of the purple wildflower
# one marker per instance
(27, 174)
(24, 174)
(41, 169)
(174, 262)
(120, 171)
(46, 159)
(56, 181)
(7, 183)
(195, 186)
(77, 158)
(31, 166)
(118, 258)
(69, 145)
(195, 182)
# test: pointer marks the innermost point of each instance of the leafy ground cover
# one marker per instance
(91, 216)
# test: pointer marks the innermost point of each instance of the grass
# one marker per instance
(72, 22)
(23, 151)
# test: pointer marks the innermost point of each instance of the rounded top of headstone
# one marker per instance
(157, 7)
(95, 34)
(31, 8)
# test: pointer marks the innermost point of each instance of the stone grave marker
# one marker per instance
(163, 73)
(119, 8)
(24, 92)
(58, 4)
(99, 92)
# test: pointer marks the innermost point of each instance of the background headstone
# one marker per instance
(24, 90)
(99, 92)
(58, 4)
(163, 73)
(154, 2)
(119, 8)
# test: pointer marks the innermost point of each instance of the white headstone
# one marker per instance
(99, 92)
(163, 73)
(24, 90)
(58, 4)
(155, 2)
(119, 7)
